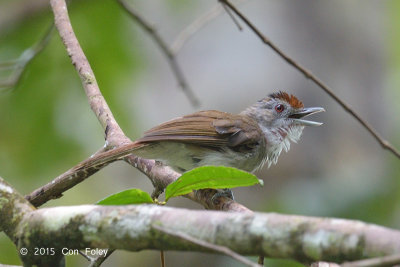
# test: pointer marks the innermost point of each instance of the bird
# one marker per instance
(246, 141)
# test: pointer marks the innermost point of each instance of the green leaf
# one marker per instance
(209, 177)
(130, 196)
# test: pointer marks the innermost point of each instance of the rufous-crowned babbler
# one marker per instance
(245, 141)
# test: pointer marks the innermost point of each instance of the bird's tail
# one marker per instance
(109, 156)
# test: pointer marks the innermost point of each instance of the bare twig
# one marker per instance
(96, 261)
(390, 260)
(261, 260)
(164, 48)
(19, 65)
(195, 26)
(114, 134)
(162, 258)
(212, 247)
(89, 259)
(62, 183)
(100, 259)
(232, 17)
(384, 143)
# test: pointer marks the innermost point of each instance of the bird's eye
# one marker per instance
(279, 108)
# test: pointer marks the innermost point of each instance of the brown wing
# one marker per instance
(214, 129)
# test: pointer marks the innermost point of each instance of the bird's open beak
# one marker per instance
(299, 114)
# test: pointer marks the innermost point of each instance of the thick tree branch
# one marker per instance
(13, 208)
(384, 143)
(134, 228)
(306, 239)
(164, 48)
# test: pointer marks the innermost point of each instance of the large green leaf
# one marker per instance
(210, 177)
(130, 196)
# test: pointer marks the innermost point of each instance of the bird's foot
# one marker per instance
(226, 192)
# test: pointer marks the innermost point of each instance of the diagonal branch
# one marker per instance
(164, 48)
(384, 143)
(160, 175)
(114, 134)
(55, 188)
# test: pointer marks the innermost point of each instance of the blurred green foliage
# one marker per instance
(50, 90)
(43, 118)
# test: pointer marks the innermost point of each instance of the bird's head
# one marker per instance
(281, 118)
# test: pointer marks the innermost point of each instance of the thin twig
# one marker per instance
(384, 143)
(213, 247)
(390, 260)
(261, 260)
(96, 262)
(162, 258)
(19, 65)
(196, 26)
(164, 48)
(232, 17)
(88, 258)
